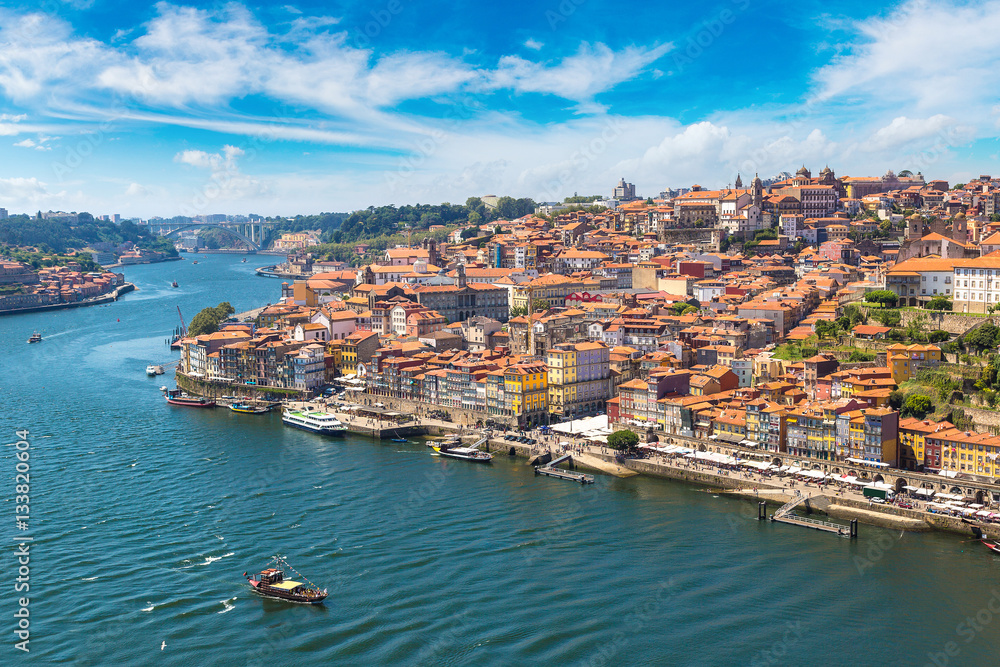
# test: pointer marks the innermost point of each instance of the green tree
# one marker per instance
(539, 305)
(896, 399)
(939, 303)
(475, 219)
(984, 337)
(854, 315)
(208, 319)
(915, 327)
(882, 296)
(860, 355)
(888, 318)
(825, 329)
(623, 441)
(917, 405)
(680, 307)
(518, 311)
(688, 310)
(938, 336)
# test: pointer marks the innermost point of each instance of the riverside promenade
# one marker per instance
(832, 498)
(838, 501)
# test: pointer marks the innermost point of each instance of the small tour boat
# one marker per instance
(195, 262)
(464, 453)
(249, 408)
(35, 338)
(244, 260)
(272, 583)
(178, 397)
(154, 370)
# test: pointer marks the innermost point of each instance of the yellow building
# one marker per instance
(335, 348)
(526, 393)
(357, 348)
(904, 361)
(913, 434)
(561, 379)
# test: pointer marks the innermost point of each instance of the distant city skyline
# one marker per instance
(279, 109)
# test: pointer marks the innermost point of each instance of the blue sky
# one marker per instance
(166, 109)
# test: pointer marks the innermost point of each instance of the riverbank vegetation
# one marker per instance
(57, 236)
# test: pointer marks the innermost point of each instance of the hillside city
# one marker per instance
(840, 313)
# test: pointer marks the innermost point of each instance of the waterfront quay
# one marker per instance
(837, 499)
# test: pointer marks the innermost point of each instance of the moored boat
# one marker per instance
(315, 421)
(271, 583)
(153, 370)
(178, 397)
(464, 453)
(35, 338)
(249, 408)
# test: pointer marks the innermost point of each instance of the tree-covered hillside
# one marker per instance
(59, 235)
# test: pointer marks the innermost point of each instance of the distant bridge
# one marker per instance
(250, 233)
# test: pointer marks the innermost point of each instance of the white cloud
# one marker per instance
(592, 70)
(936, 55)
(22, 190)
(192, 57)
(534, 44)
(39, 145)
(226, 181)
(903, 131)
(136, 190)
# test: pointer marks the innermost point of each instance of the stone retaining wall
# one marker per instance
(209, 389)
(955, 323)
(458, 415)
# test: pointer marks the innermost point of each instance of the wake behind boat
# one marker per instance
(272, 583)
(315, 421)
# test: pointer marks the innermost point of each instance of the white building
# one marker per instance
(707, 290)
(309, 372)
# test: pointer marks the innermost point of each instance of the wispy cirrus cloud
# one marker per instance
(933, 55)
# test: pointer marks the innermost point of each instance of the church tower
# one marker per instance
(739, 181)
(758, 191)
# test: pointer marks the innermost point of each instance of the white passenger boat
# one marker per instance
(314, 420)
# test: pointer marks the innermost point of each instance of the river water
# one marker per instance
(144, 517)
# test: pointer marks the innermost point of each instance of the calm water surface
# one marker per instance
(145, 516)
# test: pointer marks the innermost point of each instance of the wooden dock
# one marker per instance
(564, 474)
(550, 470)
(785, 515)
